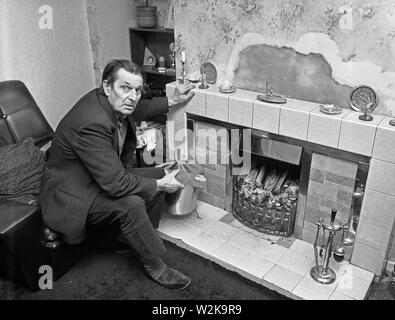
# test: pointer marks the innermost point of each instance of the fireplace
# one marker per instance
(273, 184)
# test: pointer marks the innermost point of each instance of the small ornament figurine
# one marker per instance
(203, 78)
(366, 109)
(162, 64)
(172, 57)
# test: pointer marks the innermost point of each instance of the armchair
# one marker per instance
(25, 243)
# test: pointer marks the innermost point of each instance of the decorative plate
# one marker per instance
(271, 99)
(363, 97)
(226, 90)
(330, 109)
(211, 72)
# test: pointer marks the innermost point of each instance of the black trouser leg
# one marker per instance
(130, 215)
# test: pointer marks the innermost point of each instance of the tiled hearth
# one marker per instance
(280, 264)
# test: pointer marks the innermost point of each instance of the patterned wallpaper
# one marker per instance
(348, 42)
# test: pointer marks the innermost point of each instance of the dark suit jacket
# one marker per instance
(84, 161)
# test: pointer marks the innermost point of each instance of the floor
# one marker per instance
(103, 275)
(280, 264)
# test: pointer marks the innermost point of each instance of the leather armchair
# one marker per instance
(25, 243)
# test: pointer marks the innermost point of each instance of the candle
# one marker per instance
(183, 56)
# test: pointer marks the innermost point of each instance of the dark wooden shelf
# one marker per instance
(157, 40)
(159, 30)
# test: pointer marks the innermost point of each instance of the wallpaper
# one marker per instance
(316, 50)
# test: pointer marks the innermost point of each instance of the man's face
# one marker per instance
(125, 92)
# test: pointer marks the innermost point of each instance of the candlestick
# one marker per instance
(183, 56)
(183, 73)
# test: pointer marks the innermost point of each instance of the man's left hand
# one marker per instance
(182, 94)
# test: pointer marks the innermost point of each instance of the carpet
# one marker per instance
(102, 275)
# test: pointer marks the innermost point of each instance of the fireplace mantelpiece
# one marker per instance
(302, 121)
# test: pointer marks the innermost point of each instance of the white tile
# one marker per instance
(244, 240)
(380, 177)
(182, 232)
(266, 117)
(254, 268)
(296, 262)
(241, 107)
(201, 222)
(310, 289)
(283, 278)
(385, 141)
(356, 135)
(359, 272)
(378, 206)
(217, 106)
(167, 223)
(206, 245)
(270, 252)
(294, 118)
(325, 129)
(221, 231)
(303, 247)
(340, 268)
(352, 286)
(301, 105)
(339, 296)
(229, 256)
(374, 233)
(210, 212)
(294, 123)
(368, 258)
(197, 105)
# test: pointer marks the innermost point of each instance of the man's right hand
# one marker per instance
(169, 183)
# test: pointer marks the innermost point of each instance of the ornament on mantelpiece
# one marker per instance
(149, 59)
(162, 64)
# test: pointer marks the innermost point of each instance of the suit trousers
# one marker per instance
(134, 216)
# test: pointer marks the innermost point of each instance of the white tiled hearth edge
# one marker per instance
(302, 120)
(284, 268)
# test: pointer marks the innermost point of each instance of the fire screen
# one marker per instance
(265, 200)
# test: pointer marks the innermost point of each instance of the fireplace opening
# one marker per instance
(266, 198)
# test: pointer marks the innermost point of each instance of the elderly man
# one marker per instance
(86, 182)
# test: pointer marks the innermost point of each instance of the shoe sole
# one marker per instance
(174, 287)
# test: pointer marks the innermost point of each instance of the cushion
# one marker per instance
(21, 168)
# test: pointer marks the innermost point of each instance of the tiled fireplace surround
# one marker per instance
(302, 120)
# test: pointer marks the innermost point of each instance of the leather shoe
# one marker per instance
(172, 279)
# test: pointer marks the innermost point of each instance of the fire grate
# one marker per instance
(265, 207)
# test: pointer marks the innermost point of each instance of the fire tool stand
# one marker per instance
(323, 273)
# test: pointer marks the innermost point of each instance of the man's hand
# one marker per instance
(169, 183)
(182, 94)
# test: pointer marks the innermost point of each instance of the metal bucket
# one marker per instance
(182, 202)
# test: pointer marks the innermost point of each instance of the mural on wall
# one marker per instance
(328, 46)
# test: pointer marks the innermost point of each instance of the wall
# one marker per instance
(109, 30)
(355, 41)
(60, 65)
(55, 64)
